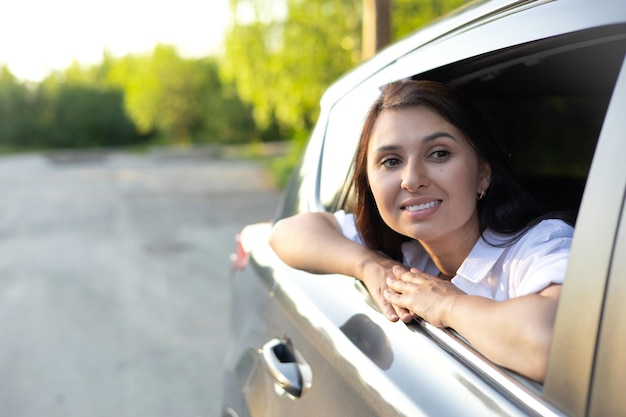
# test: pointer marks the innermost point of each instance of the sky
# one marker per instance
(39, 36)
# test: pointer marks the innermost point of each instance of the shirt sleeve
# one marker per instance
(348, 226)
(540, 258)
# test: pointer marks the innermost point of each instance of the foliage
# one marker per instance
(183, 100)
(157, 96)
(409, 15)
(79, 115)
(17, 105)
(280, 56)
(282, 62)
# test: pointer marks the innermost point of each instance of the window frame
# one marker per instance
(570, 376)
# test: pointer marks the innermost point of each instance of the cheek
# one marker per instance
(458, 181)
(465, 186)
(382, 189)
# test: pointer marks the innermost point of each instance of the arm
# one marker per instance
(515, 333)
(521, 326)
(314, 243)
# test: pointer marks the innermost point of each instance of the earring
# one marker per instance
(481, 195)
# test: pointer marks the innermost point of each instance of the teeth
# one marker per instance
(421, 207)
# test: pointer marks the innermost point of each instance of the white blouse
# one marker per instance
(528, 265)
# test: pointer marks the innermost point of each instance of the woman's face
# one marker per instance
(425, 176)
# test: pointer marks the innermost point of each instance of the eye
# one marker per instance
(389, 162)
(440, 155)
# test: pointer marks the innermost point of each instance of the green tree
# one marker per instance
(11, 95)
(283, 54)
(78, 114)
(282, 62)
(409, 15)
(19, 127)
(182, 100)
(126, 101)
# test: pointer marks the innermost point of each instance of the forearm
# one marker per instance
(515, 333)
(314, 242)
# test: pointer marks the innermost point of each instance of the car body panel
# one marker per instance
(609, 378)
(380, 352)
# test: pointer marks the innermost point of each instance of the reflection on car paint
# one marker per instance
(370, 339)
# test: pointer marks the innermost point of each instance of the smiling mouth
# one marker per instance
(422, 207)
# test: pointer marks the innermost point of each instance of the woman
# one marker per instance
(441, 229)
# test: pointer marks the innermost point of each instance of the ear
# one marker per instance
(484, 176)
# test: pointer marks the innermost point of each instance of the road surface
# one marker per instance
(113, 281)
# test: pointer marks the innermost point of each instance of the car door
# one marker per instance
(322, 335)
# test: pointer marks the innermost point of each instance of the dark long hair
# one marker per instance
(506, 208)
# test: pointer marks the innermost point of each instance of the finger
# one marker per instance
(403, 274)
(393, 298)
(398, 270)
(399, 300)
(404, 314)
(390, 312)
(401, 313)
(400, 286)
(413, 275)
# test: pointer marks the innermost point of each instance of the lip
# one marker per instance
(420, 208)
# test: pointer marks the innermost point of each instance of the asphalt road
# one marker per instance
(114, 278)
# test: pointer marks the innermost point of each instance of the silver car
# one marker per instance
(550, 76)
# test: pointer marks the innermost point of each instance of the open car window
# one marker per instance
(545, 104)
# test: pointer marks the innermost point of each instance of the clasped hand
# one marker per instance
(412, 292)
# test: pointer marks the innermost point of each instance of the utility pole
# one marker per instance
(376, 26)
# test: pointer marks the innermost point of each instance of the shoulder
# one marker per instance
(540, 257)
(347, 224)
(343, 217)
(501, 267)
(546, 231)
(554, 226)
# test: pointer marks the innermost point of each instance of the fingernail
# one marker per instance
(398, 269)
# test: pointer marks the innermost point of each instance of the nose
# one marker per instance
(413, 177)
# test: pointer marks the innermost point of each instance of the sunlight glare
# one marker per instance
(39, 36)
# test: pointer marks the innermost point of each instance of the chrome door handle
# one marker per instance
(286, 366)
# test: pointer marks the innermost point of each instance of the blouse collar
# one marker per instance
(483, 256)
(476, 266)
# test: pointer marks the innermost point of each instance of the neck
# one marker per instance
(449, 254)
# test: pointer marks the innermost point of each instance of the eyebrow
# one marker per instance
(425, 139)
(436, 135)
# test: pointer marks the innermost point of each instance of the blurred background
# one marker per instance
(137, 137)
(135, 73)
